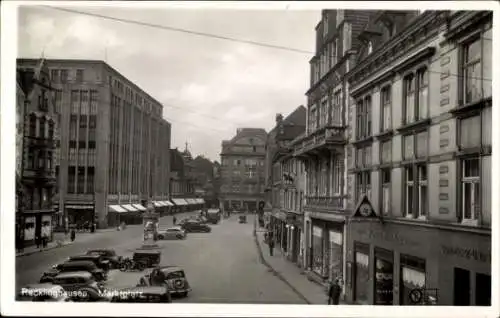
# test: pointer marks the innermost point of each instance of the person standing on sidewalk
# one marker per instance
(73, 234)
(334, 291)
(270, 242)
(175, 220)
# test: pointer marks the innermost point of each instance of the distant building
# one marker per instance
(182, 182)
(114, 146)
(420, 150)
(242, 169)
(36, 125)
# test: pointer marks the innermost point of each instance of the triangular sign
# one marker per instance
(364, 209)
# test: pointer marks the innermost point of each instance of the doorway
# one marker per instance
(461, 286)
(483, 290)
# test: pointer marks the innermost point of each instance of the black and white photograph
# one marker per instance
(187, 157)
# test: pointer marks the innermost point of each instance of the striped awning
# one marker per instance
(139, 207)
(179, 202)
(117, 209)
(201, 201)
(158, 204)
(167, 203)
(129, 208)
(191, 201)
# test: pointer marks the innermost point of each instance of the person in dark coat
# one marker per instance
(175, 220)
(38, 240)
(270, 243)
(73, 235)
(334, 292)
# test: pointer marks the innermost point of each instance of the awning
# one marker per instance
(192, 201)
(202, 201)
(139, 207)
(117, 209)
(167, 203)
(158, 204)
(79, 207)
(179, 202)
(129, 208)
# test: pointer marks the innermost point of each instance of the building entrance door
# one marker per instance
(483, 290)
(461, 282)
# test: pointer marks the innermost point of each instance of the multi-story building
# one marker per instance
(242, 169)
(114, 147)
(421, 154)
(182, 183)
(287, 174)
(322, 146)
(37, 135)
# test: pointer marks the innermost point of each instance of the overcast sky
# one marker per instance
(208, 86)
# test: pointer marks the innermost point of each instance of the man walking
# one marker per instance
(334, 291)
(270, 242)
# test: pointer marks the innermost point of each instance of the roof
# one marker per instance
(73, 274)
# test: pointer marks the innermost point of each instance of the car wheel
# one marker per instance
(123, 267)
(160, 237)
(141, 266)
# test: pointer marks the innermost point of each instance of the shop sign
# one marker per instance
(467, 253)
(390, 237)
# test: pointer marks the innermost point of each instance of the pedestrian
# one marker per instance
(45, 240)
(73, 235)
(38, 240)
(175, 220)
(334, 291)
(271, 245)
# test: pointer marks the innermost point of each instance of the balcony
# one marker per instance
(322, 139)
(324, 203)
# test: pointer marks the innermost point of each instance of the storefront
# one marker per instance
(400, 263)
(38, 224)
(278, 225)
(294, 226)
(327, 249)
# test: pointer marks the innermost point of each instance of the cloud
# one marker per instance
(209, 87)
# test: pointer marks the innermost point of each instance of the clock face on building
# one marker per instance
(365, 209)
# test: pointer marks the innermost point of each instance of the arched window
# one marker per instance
(32, 127)
(41, 130)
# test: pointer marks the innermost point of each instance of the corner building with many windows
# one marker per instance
(114, 145)
(420, 150)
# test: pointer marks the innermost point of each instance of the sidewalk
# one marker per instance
(291, 274)
(60, 240)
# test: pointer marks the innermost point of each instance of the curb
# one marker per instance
(275, 272)
(44, 250)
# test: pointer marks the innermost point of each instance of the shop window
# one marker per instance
(483, 290)
(317, 250)
(335, 254)
(412, 277)
(384, 277)
(361, 273)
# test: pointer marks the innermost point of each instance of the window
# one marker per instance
(41, 128)
(51, 130)
(81, 180)
(72, 127)
(370, 47)
(386, 108)
(421, 144)
(43, 102)
(361, 273)
(363, 112)
(409, 191)
(422, 191)
(412, 277)
(79, 76)
(323, 116)
(471, 71)
(58, 94)
(312, 119)
(337, 109)
(363, 183)
(423, 92)
(386, 152)
(325, 25)
(386, 191)
(32, 126)
(470, 132)
(64, 76)
(90, 179)
(93, 102)
(470, 189)
(338, 175)
(54, 75)
(84, 102)
(75, 106)
(409, 102)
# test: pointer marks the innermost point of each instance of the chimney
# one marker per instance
(279, 118)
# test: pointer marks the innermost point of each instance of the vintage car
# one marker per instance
(213, 216)
(43, 292)
(107, 254)
(193, 226)
(80, 286)
(144, 294)
(74, 266)
(99, 260)
(172, 233)
(149, 258)
(173, 276)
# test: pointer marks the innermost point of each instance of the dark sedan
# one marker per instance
(99, 260)
(74, 266)
(192, 226)
(107, 254)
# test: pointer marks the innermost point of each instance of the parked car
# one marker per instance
(80, 286)
(150, 258)
(43, 292)
(172, 233)
(74, 266)
(173, 276)
(107, 254)
(144, 294)
(99, 260)
(195, 227)
(213, 216)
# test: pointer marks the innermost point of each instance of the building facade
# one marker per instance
(242, 169)
(35, 154)
(285, 175)
(182, 182)
(321, 148)
(104, 118)
(420, 151)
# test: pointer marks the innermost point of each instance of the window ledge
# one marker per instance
(385, 134)
(363, 140)
(471, 108)
(416, 125)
